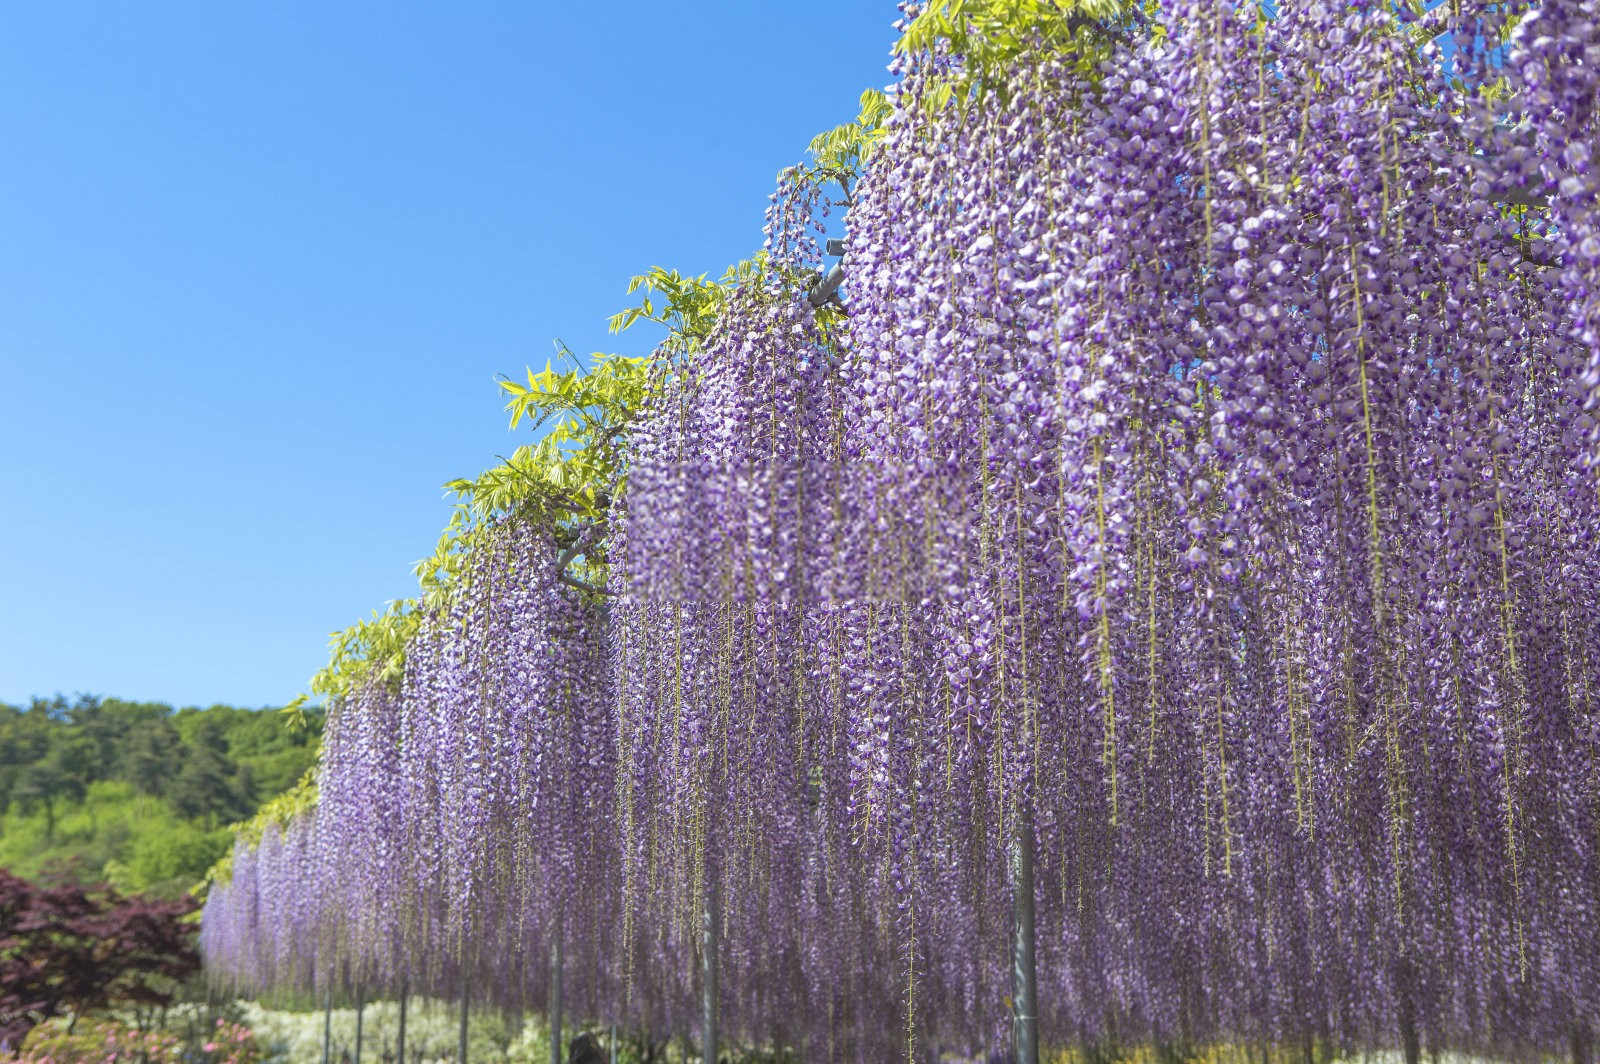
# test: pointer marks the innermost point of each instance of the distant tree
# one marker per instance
(208, 729)
(77, 758)
(24, 739)
(109, 723)
(151, 754)
(56, 708)
(244, 786)
(210, 766)
(68, 949)
(63, 773)
(37, 786)
(206, 787)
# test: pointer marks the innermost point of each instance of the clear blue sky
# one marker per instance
(261, 263)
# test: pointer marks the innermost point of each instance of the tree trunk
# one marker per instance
(360, 1005)
(1582, 1044)
(327, 1028)
(1024, 977)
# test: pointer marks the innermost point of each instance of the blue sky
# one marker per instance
(261, 263)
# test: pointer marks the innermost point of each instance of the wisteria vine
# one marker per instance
(1200, 484)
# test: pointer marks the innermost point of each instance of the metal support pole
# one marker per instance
(555, 995)
(827, 288)
(614, 1046)
(1406, 1007)
(461, 1053)
(327, 1029)
(400, 1050)
(360, 1005)
(1024, 977)
(713, 918)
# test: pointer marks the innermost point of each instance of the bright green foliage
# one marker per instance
(373, 648)
(567, 481)
(991, 35)
(136, 841)
(169, 861)
(842, 153)
(578, 462)
(687, 307)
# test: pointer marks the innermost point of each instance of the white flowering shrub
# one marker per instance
(432, 1031)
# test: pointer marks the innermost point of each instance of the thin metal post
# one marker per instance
(1410, 1043)
(400, 1050)
(1024, 977)
(827, 288)
(713, 918)
(555, 994)
(614, 1046)
(327, 1029)
(360, 1005)
(461, 1053)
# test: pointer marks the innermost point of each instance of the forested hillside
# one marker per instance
(136, 792)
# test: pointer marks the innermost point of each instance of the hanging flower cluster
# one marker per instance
(734, 473)
(1218, 512)
(463, 820)
(1199, 493)
(1554, 65)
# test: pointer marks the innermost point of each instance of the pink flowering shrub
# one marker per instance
(110, 1042)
